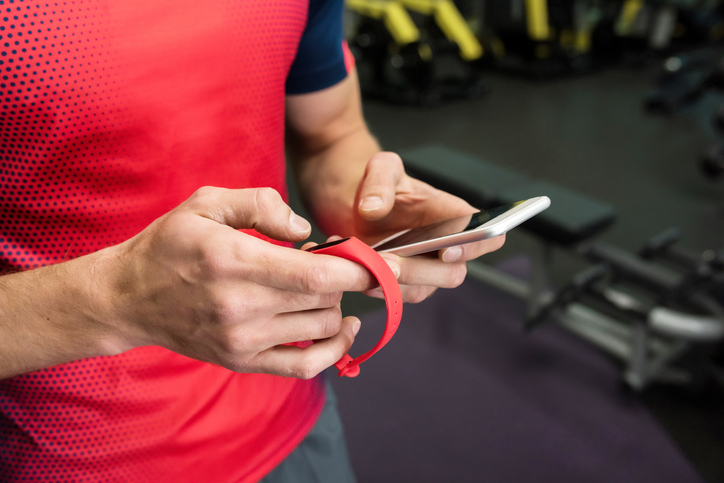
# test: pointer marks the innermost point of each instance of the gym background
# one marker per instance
(614, 109)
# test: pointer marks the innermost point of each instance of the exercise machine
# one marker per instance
(649, 310)
(402, 63)
(685, 79)
(540, 38)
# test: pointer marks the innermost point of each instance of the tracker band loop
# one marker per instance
(357, 251)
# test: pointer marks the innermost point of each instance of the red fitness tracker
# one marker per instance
(358, 251)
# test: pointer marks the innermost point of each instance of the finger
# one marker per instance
(306, 363)
(390, 262)
(302, 272)
(412, 294)
(471, 251)
(285, 302)
(309, 245)
(303, 326)
(262, 209)
(378, 186)
(420, 270)
(433, 204)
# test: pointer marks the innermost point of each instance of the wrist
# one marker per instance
(56, 314)
(331, 209)
(79, 305)
(329, 178)
(101, 295)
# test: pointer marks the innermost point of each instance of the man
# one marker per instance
(143, 336)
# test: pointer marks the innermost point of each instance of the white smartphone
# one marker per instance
(465, 229)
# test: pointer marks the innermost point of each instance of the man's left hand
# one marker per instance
(389, 201)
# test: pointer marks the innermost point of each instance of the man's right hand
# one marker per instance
(192, 283)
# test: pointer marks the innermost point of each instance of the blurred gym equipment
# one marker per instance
(683, 80)
(648, 310)
(539, 38)
(405, 42)
(712, 162)
(398, 62)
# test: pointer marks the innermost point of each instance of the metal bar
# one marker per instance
(637, 373)
(542, 263)
(499, 279)
(605, 332)
(612, 344)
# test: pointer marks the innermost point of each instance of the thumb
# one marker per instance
(262, 209)
(378, 187)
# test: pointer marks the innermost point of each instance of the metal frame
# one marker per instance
(646, 356)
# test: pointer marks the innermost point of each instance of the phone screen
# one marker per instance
(446, 227)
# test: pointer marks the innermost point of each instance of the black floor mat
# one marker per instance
(463, 394)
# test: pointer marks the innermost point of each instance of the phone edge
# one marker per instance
(513, 218)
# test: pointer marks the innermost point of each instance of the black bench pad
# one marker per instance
(572, 217)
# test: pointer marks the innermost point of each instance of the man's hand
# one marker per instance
(352, 189)
(195, 285)
(192, 283)
(389, 201)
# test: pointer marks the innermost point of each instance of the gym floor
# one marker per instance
(590, 134)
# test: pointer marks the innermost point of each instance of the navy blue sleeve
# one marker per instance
(320, 58)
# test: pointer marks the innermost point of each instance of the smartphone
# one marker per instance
(465, 229)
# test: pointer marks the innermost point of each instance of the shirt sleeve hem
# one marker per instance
(317, 80)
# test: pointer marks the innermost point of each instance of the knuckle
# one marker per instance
(211, 262)
(458, 275)
(220, 310)
(305, 370)
(230, 344)
(234, 343)
(395, 159)
(410, 273)
(499, 242)
(330, 324)
(387, 158)
(266, 199)
(417, 295)
(314, 279)
(226, 312)
(204, 194)
(332, 299)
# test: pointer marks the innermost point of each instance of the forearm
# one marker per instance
(329, 147)
(53, 315)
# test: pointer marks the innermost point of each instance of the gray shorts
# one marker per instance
(322, 456)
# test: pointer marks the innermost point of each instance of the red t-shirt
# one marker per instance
(113, 113)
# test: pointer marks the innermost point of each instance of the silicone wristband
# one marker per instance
(358, 251)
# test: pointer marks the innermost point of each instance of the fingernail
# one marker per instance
(299, 224)
(371, 203)
(394, 267)
(452, 254)
(355, 326)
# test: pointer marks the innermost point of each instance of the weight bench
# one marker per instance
(571, 219)
(571, 222)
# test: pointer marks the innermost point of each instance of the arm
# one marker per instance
(51, 315)
(192, 283)
(352, 188)
(330, 146)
